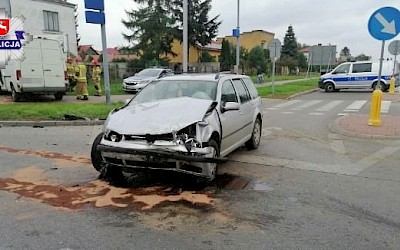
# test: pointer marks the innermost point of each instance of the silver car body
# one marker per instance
(142, 78)
(173, 133)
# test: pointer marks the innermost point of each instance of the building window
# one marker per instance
(50, 21)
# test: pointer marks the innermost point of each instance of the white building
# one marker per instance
(50, 18)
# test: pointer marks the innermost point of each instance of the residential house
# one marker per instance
(86, 51)
(251, 39)
(49, 18)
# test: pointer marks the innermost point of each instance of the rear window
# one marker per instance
(250, 86)
(362, 67)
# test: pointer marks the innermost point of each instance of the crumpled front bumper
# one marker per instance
(194, 163)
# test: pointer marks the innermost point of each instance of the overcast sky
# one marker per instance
(336, 22)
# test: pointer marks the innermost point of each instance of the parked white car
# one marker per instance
(142, 78)
(183, 123)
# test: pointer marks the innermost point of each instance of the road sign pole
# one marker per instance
(273, 75)
(105, 64)
(381, 62)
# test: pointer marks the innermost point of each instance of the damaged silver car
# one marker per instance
(183, 123)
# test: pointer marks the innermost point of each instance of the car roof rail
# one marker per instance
(218, 75)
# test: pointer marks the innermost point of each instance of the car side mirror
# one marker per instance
(230, 106)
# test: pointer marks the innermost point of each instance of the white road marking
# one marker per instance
(336, 144)
(355, 106)
(330, 106)
(315, 113)
(371, 160)
(343, 169)
(385, 106)
(307, 105)
(286, 104)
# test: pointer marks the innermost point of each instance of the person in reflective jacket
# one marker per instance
(81, 85)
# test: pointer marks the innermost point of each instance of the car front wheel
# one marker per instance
(255, 139)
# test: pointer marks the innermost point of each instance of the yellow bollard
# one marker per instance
(375, 114)
(391, 87)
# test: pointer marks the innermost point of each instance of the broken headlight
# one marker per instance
(187, 137)
(112, 136)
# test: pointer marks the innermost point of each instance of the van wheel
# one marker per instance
(380, 86)
(329, 87)
(58, 96)
(15, 96)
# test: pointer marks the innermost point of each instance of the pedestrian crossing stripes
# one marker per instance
(320, 107)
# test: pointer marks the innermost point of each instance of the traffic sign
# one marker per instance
(274, 48)
(394, 47)
(384, 24)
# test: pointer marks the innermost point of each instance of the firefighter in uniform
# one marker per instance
(96, 73)
(81, 84)
(71, 74)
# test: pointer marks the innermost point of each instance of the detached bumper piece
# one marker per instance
(161, 155)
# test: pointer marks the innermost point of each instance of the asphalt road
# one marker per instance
(304, 188)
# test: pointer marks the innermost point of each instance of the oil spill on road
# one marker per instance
(47, 155)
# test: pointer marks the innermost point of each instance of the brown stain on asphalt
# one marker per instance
(48, 155)
(31, 183)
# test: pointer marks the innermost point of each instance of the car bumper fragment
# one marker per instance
(162, 154)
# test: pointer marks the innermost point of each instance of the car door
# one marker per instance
(341, 75)
(230, 123)
(246, 109)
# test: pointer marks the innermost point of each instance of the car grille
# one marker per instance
(150, 138)
(131, 83)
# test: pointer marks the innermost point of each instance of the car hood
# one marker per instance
(139, 78)
(159, 117)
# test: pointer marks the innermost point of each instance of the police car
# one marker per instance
(360, 75)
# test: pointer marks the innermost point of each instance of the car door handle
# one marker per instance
(47, 70)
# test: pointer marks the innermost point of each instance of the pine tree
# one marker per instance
(225, 58)
(152, 30)
(290, 47)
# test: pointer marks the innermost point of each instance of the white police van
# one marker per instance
(359, 75)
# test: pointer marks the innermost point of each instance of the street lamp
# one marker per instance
(237, 41)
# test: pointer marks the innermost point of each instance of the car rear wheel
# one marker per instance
(255, 139)
(329, 87)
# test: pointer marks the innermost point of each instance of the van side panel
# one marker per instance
(53, 70)
(31, 68)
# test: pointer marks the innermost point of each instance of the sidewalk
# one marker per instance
(357, 124)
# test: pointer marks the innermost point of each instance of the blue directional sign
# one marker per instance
(95, 17)
(384, 24)
(94, 4)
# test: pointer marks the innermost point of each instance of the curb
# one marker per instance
(41, 124)
(335, 128)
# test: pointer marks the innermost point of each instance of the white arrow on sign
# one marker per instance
(389, 28)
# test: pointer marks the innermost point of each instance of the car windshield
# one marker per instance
(166, 89)
(149, 72)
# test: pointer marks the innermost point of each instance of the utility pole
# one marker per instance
(237, 40)
(185, 37)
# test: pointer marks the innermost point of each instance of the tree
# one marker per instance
(362, 57)
(257, 60)
(290, 55)
(289, 47)
(206, 57)
(226, 56)
(152, 30)
(201, 29)
(345, 55)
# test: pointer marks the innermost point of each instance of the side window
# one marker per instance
(244, 94)
(362, 67)
(342, 69)
(250, 86)
(228, 93)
